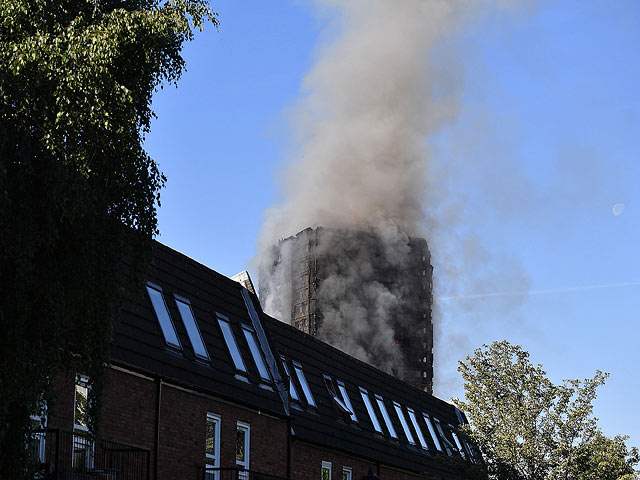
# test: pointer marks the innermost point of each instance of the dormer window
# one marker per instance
(184, 307)
(293, 391)
(232, 346)
(162, 314)
(370, 410)
(385, 415)
(256, 353)
(303, 383)
(403, 421)
(416, 427)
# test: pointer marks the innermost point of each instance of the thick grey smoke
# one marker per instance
(361, 161)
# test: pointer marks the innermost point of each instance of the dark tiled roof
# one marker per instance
(139, 342)
(323, 425)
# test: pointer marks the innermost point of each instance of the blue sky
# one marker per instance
(545, 142)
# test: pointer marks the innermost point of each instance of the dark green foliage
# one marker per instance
(76, 187)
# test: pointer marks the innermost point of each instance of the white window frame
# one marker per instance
(432, 431)
(347, 473)
(297, 366)
(256, 353)
(325, 466)
(385, 415)
(372, 413)
(190, 324)
(231, 342)
(81, 442)
(403, 422)
(337, 399)
(246, 428)
(163, 316)
(345, 397)
(414, 422)
(447, 444)
(293, 391)
(457, 440)
(213, 461)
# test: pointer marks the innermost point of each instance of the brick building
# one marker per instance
(202, 384)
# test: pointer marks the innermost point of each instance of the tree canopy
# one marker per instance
(77, 188)
(531, 429)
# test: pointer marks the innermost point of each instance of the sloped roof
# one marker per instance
(139, 342)
(324, 425)
(140, 345)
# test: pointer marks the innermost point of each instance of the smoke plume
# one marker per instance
(361, 161)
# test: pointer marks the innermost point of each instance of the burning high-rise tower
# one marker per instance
(366, 293)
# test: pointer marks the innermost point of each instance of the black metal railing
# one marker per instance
(77, 456)
(233, 473)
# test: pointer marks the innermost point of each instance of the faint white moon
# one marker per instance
(618, 208)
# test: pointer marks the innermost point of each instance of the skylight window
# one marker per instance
(457, 440)
(447, 444)
(345, 397)
(162, 314)
(385, 415)
(184, 307)
(432, 432)
(403, 421)
(230, 340)
(293, 391)
(303, 383)
(256, 353)
(341, 407)
(416, 427)
(370, 410)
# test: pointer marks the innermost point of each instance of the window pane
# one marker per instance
(210, 442)
(432, 432)
(240, 439)
(256, 353)
(370, 410)
(385, 415)
(230, 340)
(162, 314)
(414, 422)
(304, 384)
(81, 404)
(347, 401)
(292, 388)
(447, 444)
(403, 421)
(326, 470)
(192, 329)
(346, 473)
(457, 440)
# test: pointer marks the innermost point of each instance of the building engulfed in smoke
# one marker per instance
(367, 293)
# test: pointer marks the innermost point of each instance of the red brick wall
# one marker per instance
(182, 435)
(306, 464)
(129, 413)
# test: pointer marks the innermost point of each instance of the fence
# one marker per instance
(76, 456)
(233, 473)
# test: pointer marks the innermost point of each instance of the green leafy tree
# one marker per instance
(531, 429)
(77, 188)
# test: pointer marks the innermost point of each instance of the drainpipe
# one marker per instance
(157, 443)
(289, 435)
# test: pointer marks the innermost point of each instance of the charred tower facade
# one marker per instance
(364, 293)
